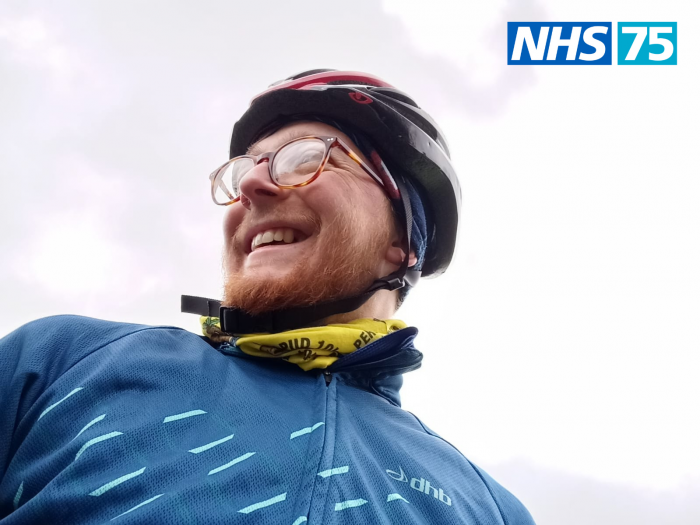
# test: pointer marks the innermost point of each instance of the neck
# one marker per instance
(382, 305)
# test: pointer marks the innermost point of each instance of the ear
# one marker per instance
(395, 254)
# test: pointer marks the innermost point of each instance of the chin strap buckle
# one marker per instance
(234, 321)
(189, 304)
(394, 284)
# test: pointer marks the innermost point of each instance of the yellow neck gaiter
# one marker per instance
(314, 347)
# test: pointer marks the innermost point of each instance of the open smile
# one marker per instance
(276, 237)
(270, 234)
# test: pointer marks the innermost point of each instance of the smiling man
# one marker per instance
(339, 195)
(329, 240)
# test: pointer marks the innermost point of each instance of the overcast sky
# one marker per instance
(561, 348)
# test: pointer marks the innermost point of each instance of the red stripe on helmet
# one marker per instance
(325, 78)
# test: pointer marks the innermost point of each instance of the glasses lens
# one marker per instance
(297, 162)
(227, 179)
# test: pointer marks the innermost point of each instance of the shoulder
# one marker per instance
(74, 324)
(512, 511)
(52, 345)
(74, 332)
(38, 353)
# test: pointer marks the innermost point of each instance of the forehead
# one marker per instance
(296, 130)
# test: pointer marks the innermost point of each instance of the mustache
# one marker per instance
(301, 217)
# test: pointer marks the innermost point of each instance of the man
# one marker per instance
(339, 195)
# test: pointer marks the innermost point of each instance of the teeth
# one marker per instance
(266, 237)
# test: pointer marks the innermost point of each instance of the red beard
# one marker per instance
(348, 266)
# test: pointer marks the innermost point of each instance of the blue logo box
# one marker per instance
(647, 43)
(560, 43)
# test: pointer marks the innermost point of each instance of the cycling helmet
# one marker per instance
(407, 139)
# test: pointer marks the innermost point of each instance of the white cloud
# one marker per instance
(70, 256)
(31, 43)
(470, 34)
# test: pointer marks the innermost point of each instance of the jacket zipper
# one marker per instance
(320, 487)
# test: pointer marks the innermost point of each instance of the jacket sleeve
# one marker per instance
(37, 354)
(512, 511)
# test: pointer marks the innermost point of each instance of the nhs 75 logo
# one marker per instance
(590, 43)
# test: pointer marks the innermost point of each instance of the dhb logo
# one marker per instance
(421, 485)
(579, 43)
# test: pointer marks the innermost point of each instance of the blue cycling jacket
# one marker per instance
(104, 422)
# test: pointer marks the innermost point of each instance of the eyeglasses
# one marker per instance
(293, 165)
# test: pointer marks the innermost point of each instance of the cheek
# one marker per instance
(343, 194)
(232, 220)
(329, 199)
(360, 211)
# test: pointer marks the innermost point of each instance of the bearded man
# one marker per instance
(339, 195)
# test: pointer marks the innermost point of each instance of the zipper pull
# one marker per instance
(327, 375)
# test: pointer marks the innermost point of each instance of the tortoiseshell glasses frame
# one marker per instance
(232, 194)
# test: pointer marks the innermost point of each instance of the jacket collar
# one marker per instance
(392, 354)
(377, 367)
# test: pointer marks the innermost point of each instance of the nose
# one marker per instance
(256, 187)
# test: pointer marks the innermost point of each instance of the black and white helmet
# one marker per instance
(407, 139)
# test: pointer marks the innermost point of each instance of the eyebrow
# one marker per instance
(284, 137)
